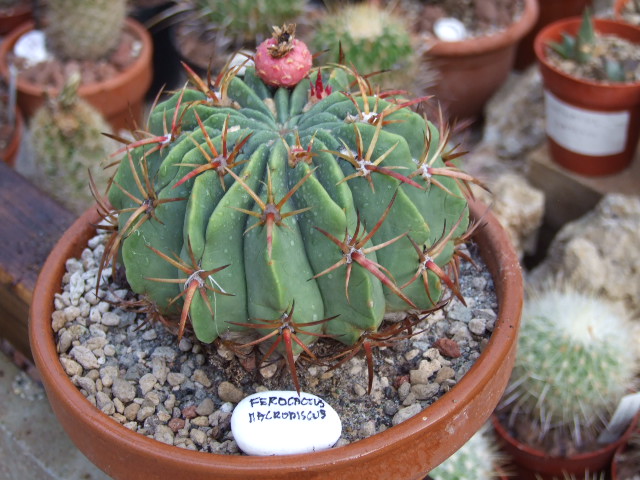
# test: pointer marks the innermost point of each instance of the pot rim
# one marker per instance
(487, 43)
(571, 25)
(136, 68)
(499, 255)
(503, 433)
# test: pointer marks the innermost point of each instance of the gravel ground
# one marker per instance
(183, 393)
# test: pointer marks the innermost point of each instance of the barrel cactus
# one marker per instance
(84, 29)
(577, 357)
(288, 213)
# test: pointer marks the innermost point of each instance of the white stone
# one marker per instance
(283, 423)
(449, 29)
(32, 47)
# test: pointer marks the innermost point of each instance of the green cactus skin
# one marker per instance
(84, 29)
(207, 216)
(372, 38)
(577, 356)
(477, 459)
(68, 142)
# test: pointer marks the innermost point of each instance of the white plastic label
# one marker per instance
(586, 132)
(627, 409)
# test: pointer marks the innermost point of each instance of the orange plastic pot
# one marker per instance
(120, 99)
(550, 11)
(11, 17)
(404, 452)
(592, 128)
(470, 71)
(10, 151)
(534, 464)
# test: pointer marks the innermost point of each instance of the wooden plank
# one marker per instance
(30, 224)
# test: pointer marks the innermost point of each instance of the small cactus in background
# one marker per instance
(584, 49)
(289, 213)
(84, 29)
(577, 356)
(478, 459)
(245, 22)
(67, 141)
(372, 39)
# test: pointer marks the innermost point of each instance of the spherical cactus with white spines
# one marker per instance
(577, 356)
(478, 459)
(372, 39)
(289, 212)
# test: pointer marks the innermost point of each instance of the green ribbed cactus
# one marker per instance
(577, 357)
(372, 38)
(288, 212)
(84, 29)
(68, 142)
(478, 459)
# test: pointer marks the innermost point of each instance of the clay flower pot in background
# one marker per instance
(119, 98)
(550, 11)
(470, 71)
(533, 464)
(15, 15)
(404, 452)
(626, 461)
(592, 128)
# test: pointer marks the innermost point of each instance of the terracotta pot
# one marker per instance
(404, 452)
(119, 99)
(10, 152)
(12, 17)
(472, 70)
(533, 464)
(592, 128)
(550, 11)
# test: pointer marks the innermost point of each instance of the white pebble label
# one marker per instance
(586, 132)
(283, 423)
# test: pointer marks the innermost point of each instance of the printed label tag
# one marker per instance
(585, 131)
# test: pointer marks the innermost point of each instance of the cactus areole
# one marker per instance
(289, 213)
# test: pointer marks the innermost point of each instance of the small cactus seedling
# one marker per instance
(584, 48)
(68, 144)
(577, 356)
(479, 459)
(289, 213)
